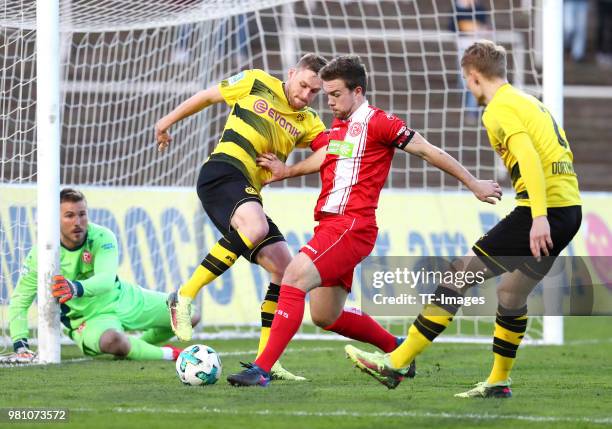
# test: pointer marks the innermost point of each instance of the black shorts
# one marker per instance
(505, 247)
(222, 188)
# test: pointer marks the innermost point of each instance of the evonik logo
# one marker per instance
(261, 107)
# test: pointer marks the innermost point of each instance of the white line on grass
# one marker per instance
(21, 365)
(345, 413)
(291, 350)
(587, 341)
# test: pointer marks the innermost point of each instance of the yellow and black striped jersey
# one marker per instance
(510, 112)
(261, 121)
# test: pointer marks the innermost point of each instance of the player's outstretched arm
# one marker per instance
(21, 299)
(485, 190)
(281, 171)
(187, 108)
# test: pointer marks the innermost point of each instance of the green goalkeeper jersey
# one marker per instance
(94, 264)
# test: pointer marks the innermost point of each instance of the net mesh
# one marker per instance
(126, 64)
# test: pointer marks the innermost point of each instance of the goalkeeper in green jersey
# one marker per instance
(96, 306)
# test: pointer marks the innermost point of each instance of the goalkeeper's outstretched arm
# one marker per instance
(21, 300)
(192, 105)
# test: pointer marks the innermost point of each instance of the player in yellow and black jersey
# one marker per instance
(535, 150)
(267, 116)
(522, 131)
(262, 120)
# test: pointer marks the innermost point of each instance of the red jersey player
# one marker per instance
(354, 159)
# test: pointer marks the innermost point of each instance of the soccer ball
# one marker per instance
(198, 364)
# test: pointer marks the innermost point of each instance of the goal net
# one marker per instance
(126, 64)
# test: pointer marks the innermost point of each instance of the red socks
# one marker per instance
(354, 324)
(287, 320)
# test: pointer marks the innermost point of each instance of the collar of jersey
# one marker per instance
(364, 105)
(287, 100)
(505, 87)
(78, 247)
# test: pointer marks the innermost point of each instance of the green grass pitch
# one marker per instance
(566, 386)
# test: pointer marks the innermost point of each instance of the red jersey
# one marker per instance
(359, 154)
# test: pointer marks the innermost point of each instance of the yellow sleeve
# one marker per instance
(316, 127)
(237, 86)
(521, 147)
(502, 122)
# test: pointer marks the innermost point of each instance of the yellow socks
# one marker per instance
(428, 325)
(222, 256)
(268, 307)
(510, 327)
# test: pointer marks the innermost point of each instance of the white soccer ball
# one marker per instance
(198, 364)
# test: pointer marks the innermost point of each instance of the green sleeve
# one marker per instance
(22, 298)
(106, 262)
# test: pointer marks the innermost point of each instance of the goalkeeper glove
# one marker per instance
(64, 290)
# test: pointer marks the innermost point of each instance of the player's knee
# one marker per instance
(282, 259)
(301, 275)
(115, 343)
(324, 315)
(291, 276)
(322, 320)
(508, 298)
(275, 258)
(255, 231)
(260, 230)
(465, 274)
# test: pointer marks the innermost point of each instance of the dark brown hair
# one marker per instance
(487, 58)
(349, 68)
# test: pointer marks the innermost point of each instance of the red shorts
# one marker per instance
(338, 245)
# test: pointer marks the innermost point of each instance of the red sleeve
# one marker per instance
(392, 131)
(320, 141)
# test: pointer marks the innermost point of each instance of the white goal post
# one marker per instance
(83, 86)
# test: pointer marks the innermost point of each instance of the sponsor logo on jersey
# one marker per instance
(355, 129)
(236, 78)
(341, 148)
(261, 107)
(312, 249)
(251, 190)
(86, 257)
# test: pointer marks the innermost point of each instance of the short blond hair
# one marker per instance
(487, 58)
